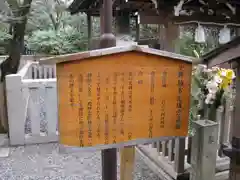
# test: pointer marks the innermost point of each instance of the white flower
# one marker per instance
(205, 81)
(210, 98)
(234, 76)
(212, 86)
(202, 67)
(223, 73)
(207, 70)
(217, 79)
(215, 69)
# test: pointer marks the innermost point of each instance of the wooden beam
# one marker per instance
(156, 19)
(151, 19)
(136, 5)
(205, 18)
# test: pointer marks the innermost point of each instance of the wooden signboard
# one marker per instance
(122, 95)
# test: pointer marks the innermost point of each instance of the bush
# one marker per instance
(53, 42)
(4, 41)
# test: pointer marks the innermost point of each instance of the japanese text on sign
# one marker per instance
(114, 105)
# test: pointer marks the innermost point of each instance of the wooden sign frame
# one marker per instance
(143, 65)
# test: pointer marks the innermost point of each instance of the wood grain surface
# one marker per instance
(121, 97)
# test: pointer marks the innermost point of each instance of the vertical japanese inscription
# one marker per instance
(122, 105)
(162, 115)
(80, 110)
(130, 87)
(89, 105)
(179, 96)
(106, 121)
(151, 101)
(114, 116)
(71, 88)
(163, 101)
(164, 78)
(98, 106)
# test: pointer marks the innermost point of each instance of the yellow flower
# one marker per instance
(225, 83)
(227, 75)
(230, 74)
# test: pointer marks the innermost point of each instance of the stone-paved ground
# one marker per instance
(43, 162)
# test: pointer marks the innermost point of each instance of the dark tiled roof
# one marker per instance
(85, 5)
(81, 5)
(168, 5)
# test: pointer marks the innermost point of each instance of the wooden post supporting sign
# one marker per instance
(109, 156)
(127, 163)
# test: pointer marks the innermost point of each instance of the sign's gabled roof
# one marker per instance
(114, 50)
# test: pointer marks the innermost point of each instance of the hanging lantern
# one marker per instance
(224, 35)
(200, 34)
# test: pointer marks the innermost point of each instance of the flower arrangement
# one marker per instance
(219, 84)
(210, 88)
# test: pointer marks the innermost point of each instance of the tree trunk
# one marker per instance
(11, 64)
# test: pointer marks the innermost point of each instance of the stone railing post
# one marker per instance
(204, 150)
(16, 108)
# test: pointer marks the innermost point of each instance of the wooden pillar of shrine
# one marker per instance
(161, 38)
(170, 36)
(101, 20)
(89, 25)
(123, 22)
(137, 29)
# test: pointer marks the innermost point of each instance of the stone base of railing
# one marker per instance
(164, 168)
(4, 146)
(159, 165)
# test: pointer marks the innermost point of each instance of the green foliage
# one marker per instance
(47, 14)
(148, 31)
(4, 36)
(53, 30)
(64, 41)
(188, 46)
(4, 41)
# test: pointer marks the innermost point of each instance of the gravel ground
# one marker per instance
(43, 162)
